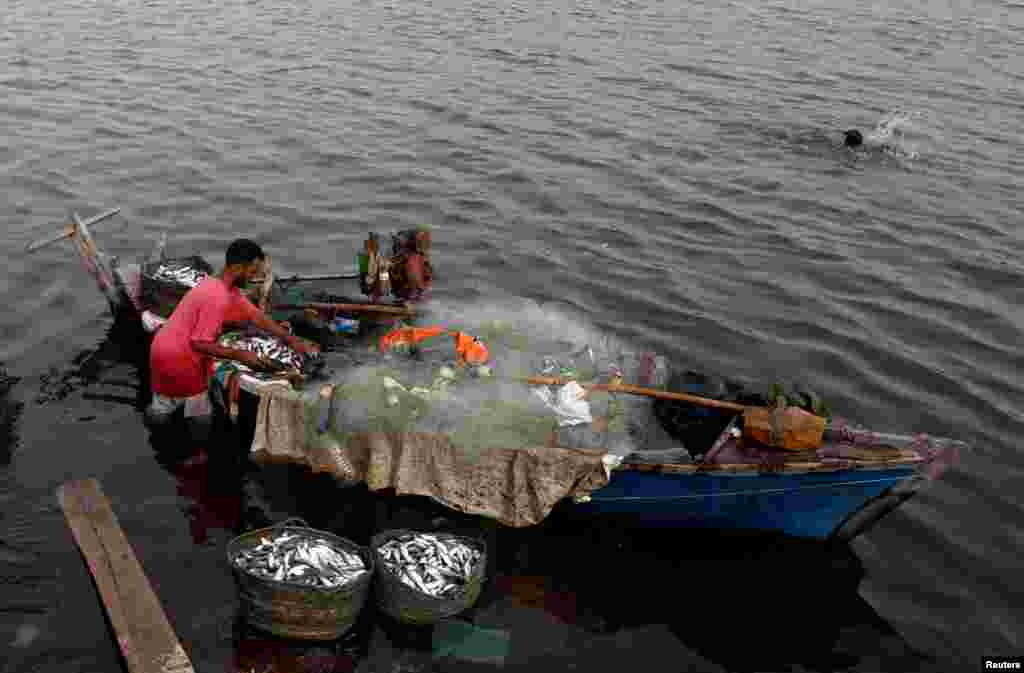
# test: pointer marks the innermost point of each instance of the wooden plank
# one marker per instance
(143, 633)
(640, 390)
(96, 264)
(267, 288)
(70, 230)
(352, 275)
(348, 308)
(779, 468)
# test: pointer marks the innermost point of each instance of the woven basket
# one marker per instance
(408, 605)
(294, 610)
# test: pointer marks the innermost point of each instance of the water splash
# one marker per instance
(25, 635)
(898, 135)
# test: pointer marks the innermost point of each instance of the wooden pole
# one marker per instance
(789, 428)
(640, 390)
(143, 633)
(351, 308)
(95, 263)
(70, 230)
(266, 289)
(327, 276)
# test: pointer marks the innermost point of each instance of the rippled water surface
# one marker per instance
(670, 171)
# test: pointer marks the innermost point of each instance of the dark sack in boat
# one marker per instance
(166, 281)
(697, 427)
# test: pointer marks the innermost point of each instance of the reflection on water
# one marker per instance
(9, 411)
(257, 652)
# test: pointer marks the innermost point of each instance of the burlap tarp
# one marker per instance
(517, 487)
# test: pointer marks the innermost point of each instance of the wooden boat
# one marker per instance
(836, 492)
(121, 282)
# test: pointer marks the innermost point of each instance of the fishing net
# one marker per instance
(478, 439)
(489, 406)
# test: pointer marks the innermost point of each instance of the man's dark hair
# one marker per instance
(243, 251)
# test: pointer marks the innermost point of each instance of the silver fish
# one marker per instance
(433, 564)
(297, 559)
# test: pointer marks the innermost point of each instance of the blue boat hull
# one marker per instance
(814, 505)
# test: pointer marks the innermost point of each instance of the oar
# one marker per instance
(790, 428)
(70, 230)
(640, 390)
(348, 308)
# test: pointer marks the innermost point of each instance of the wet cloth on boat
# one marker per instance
(151, 322)
(567, 402)
(517, 487)
(229, 378)
(194, 406)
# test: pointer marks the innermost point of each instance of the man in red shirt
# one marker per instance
(181, 357)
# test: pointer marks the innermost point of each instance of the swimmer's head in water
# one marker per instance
(853, 138)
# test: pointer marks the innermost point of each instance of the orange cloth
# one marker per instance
(409, 336)
(470, 348)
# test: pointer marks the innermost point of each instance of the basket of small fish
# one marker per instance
(298, 582)
(166, 281)
(423, 578)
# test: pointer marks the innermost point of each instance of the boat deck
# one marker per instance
(841, 450)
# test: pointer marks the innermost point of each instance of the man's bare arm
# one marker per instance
(265, 323)
(215, 350)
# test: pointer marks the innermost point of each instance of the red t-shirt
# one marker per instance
(176, 369)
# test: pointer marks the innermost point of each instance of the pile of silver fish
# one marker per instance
(301, 559)
(182, 274)
(436, 565)
(267, 347)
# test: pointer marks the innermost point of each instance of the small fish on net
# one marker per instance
(308, 560)
(436, 565)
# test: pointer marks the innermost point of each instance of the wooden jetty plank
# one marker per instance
(144, 635)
